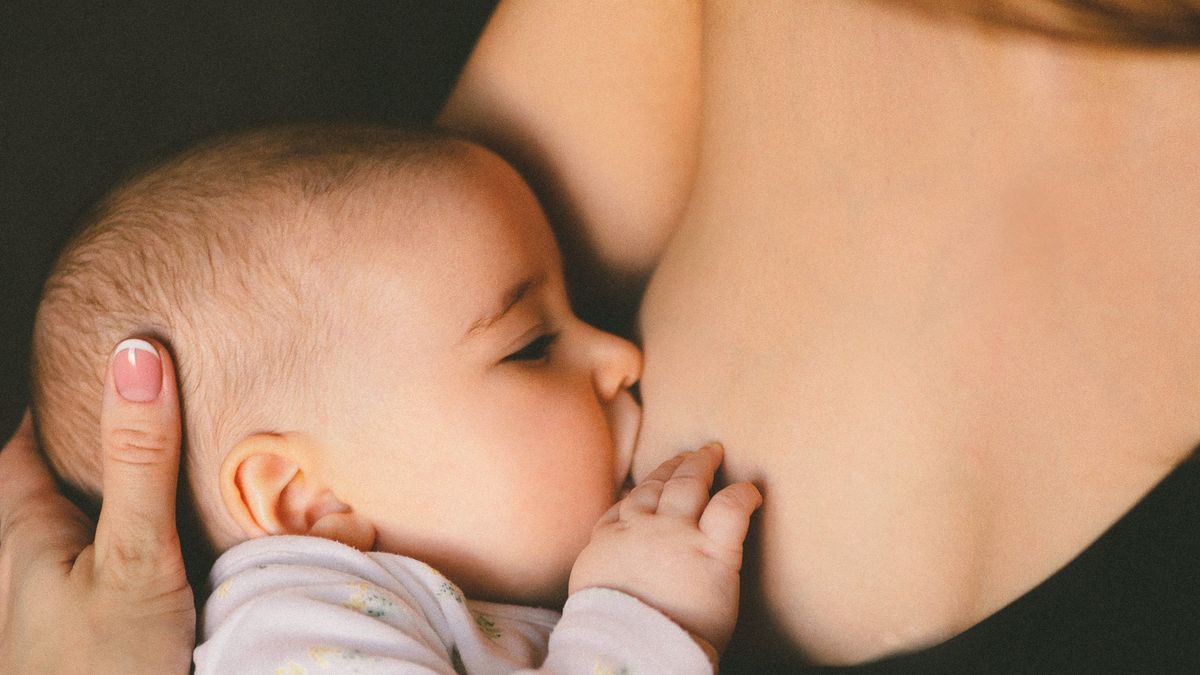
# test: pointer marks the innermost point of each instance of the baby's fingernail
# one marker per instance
(137, 371)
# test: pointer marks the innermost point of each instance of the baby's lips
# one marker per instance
(624, 421)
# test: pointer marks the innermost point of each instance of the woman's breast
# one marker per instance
(843, 406)
(854, 304)
(816, 335)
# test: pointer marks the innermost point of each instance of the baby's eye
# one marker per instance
(536, 350)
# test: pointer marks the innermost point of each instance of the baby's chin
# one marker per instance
(532, 582)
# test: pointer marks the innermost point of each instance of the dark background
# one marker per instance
(88, 90)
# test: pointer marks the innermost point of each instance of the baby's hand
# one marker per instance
(673, 548)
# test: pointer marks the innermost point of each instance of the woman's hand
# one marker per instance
(674, 548)
(120, 603)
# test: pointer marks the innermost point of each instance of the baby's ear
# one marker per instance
(267, 490)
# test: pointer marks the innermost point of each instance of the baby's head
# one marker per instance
(373, 344)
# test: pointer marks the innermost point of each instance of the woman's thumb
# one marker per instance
(140, 439)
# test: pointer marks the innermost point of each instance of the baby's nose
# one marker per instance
(618, 365)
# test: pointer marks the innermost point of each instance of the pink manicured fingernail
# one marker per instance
(137, 371)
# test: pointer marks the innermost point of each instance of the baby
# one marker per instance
(375, 348)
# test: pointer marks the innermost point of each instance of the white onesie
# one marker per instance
(291, 605)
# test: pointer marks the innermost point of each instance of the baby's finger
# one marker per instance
(664, 470)
(642, 499)
(644, 496)
(686, 491)
(726, 519)
(612, 515)
(140, 436)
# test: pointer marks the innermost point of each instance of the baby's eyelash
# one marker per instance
(536, 350)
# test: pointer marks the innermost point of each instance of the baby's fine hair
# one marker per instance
(225, 253)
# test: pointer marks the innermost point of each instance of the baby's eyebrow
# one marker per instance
(510, 299)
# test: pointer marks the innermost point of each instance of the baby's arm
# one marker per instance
(671, 546)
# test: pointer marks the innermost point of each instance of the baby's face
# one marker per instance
(489, 428)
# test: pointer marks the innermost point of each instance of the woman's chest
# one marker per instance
(835, 404)
(907, 494)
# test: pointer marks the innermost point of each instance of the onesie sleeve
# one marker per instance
(293, 605)
(607, 632)
(296, 605)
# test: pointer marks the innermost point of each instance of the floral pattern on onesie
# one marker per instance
(300, 605)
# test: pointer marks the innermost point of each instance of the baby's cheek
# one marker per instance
(579, 422)
(543, 549)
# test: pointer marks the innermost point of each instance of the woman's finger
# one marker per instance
(687, 490)
(29, 500)
(726, 519)
(22, 475)
(36, 521)
(140, 436)
(39, 528)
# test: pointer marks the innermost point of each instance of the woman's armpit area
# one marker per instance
(599, 106)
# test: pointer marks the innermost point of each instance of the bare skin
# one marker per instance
(598, 105)
(933, 287)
